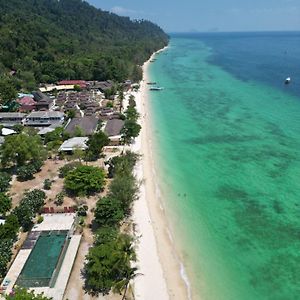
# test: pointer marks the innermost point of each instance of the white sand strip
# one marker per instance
(157, 260)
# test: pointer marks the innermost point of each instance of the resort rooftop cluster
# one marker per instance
(50, 201)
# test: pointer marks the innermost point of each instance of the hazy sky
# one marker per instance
(210, 15)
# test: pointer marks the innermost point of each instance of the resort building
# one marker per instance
(45, 260)
(44, 118)
(26, 104)
(81, 83)
(43, 102)
(113, 129)
(74, 143)
(87, 126)
(52, 87)
(10, 119)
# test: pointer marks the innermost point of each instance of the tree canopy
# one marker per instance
(30, 204)
(85, 180)
(95, 144)
(5, 179)
(108, 265)
(5, 203)
(50, 40)
(20, 149)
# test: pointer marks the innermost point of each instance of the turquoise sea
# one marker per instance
(227, 140)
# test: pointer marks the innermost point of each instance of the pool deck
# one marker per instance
(51, 222)
(55, 222)
(15, 270)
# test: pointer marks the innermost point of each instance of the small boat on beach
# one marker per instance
(156, 88)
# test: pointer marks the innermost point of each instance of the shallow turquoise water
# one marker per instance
(229, 154)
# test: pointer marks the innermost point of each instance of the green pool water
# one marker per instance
(43, 259)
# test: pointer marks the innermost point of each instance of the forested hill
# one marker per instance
(49, 40)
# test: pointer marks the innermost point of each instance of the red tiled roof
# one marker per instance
(26, 101)
(81, 83)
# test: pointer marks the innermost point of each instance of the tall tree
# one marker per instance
(95, 144)
(20, 149)
(108, 265)
(85, 180)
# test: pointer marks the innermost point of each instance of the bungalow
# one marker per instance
(113, 129)
(81, 83)
(26, 104)
(44, 118)
(43, 102)
(101, 85)
(74, 143)
(53, 87)
(88, 125)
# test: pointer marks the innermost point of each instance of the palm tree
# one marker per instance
(122, 285)
(130, 272)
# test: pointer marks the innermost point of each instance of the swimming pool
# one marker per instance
(43, 259)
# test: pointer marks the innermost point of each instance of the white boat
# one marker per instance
(156, 88)
(287, 80)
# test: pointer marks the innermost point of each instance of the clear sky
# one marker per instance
(210, 15)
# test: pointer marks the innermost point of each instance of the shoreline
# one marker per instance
(164, 276)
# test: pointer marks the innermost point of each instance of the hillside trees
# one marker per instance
(7, 90)
(48, 40)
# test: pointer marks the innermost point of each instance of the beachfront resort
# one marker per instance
(75, 134)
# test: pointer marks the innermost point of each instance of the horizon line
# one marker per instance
(234, 31)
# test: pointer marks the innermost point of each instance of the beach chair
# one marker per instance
(65, 210)
(52, 210)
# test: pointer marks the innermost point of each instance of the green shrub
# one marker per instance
(82, 210)
(5, 179)
(47, 184)
(29, 206)
(63, 171)
(27, 171)
(40, 219)
(5, 203)
(59, 199)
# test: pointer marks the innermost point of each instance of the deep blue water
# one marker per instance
(267, 57)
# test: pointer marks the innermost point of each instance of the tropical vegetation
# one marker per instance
(109, 261)
(49, 40)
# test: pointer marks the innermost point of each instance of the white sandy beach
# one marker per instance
(157, 259)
